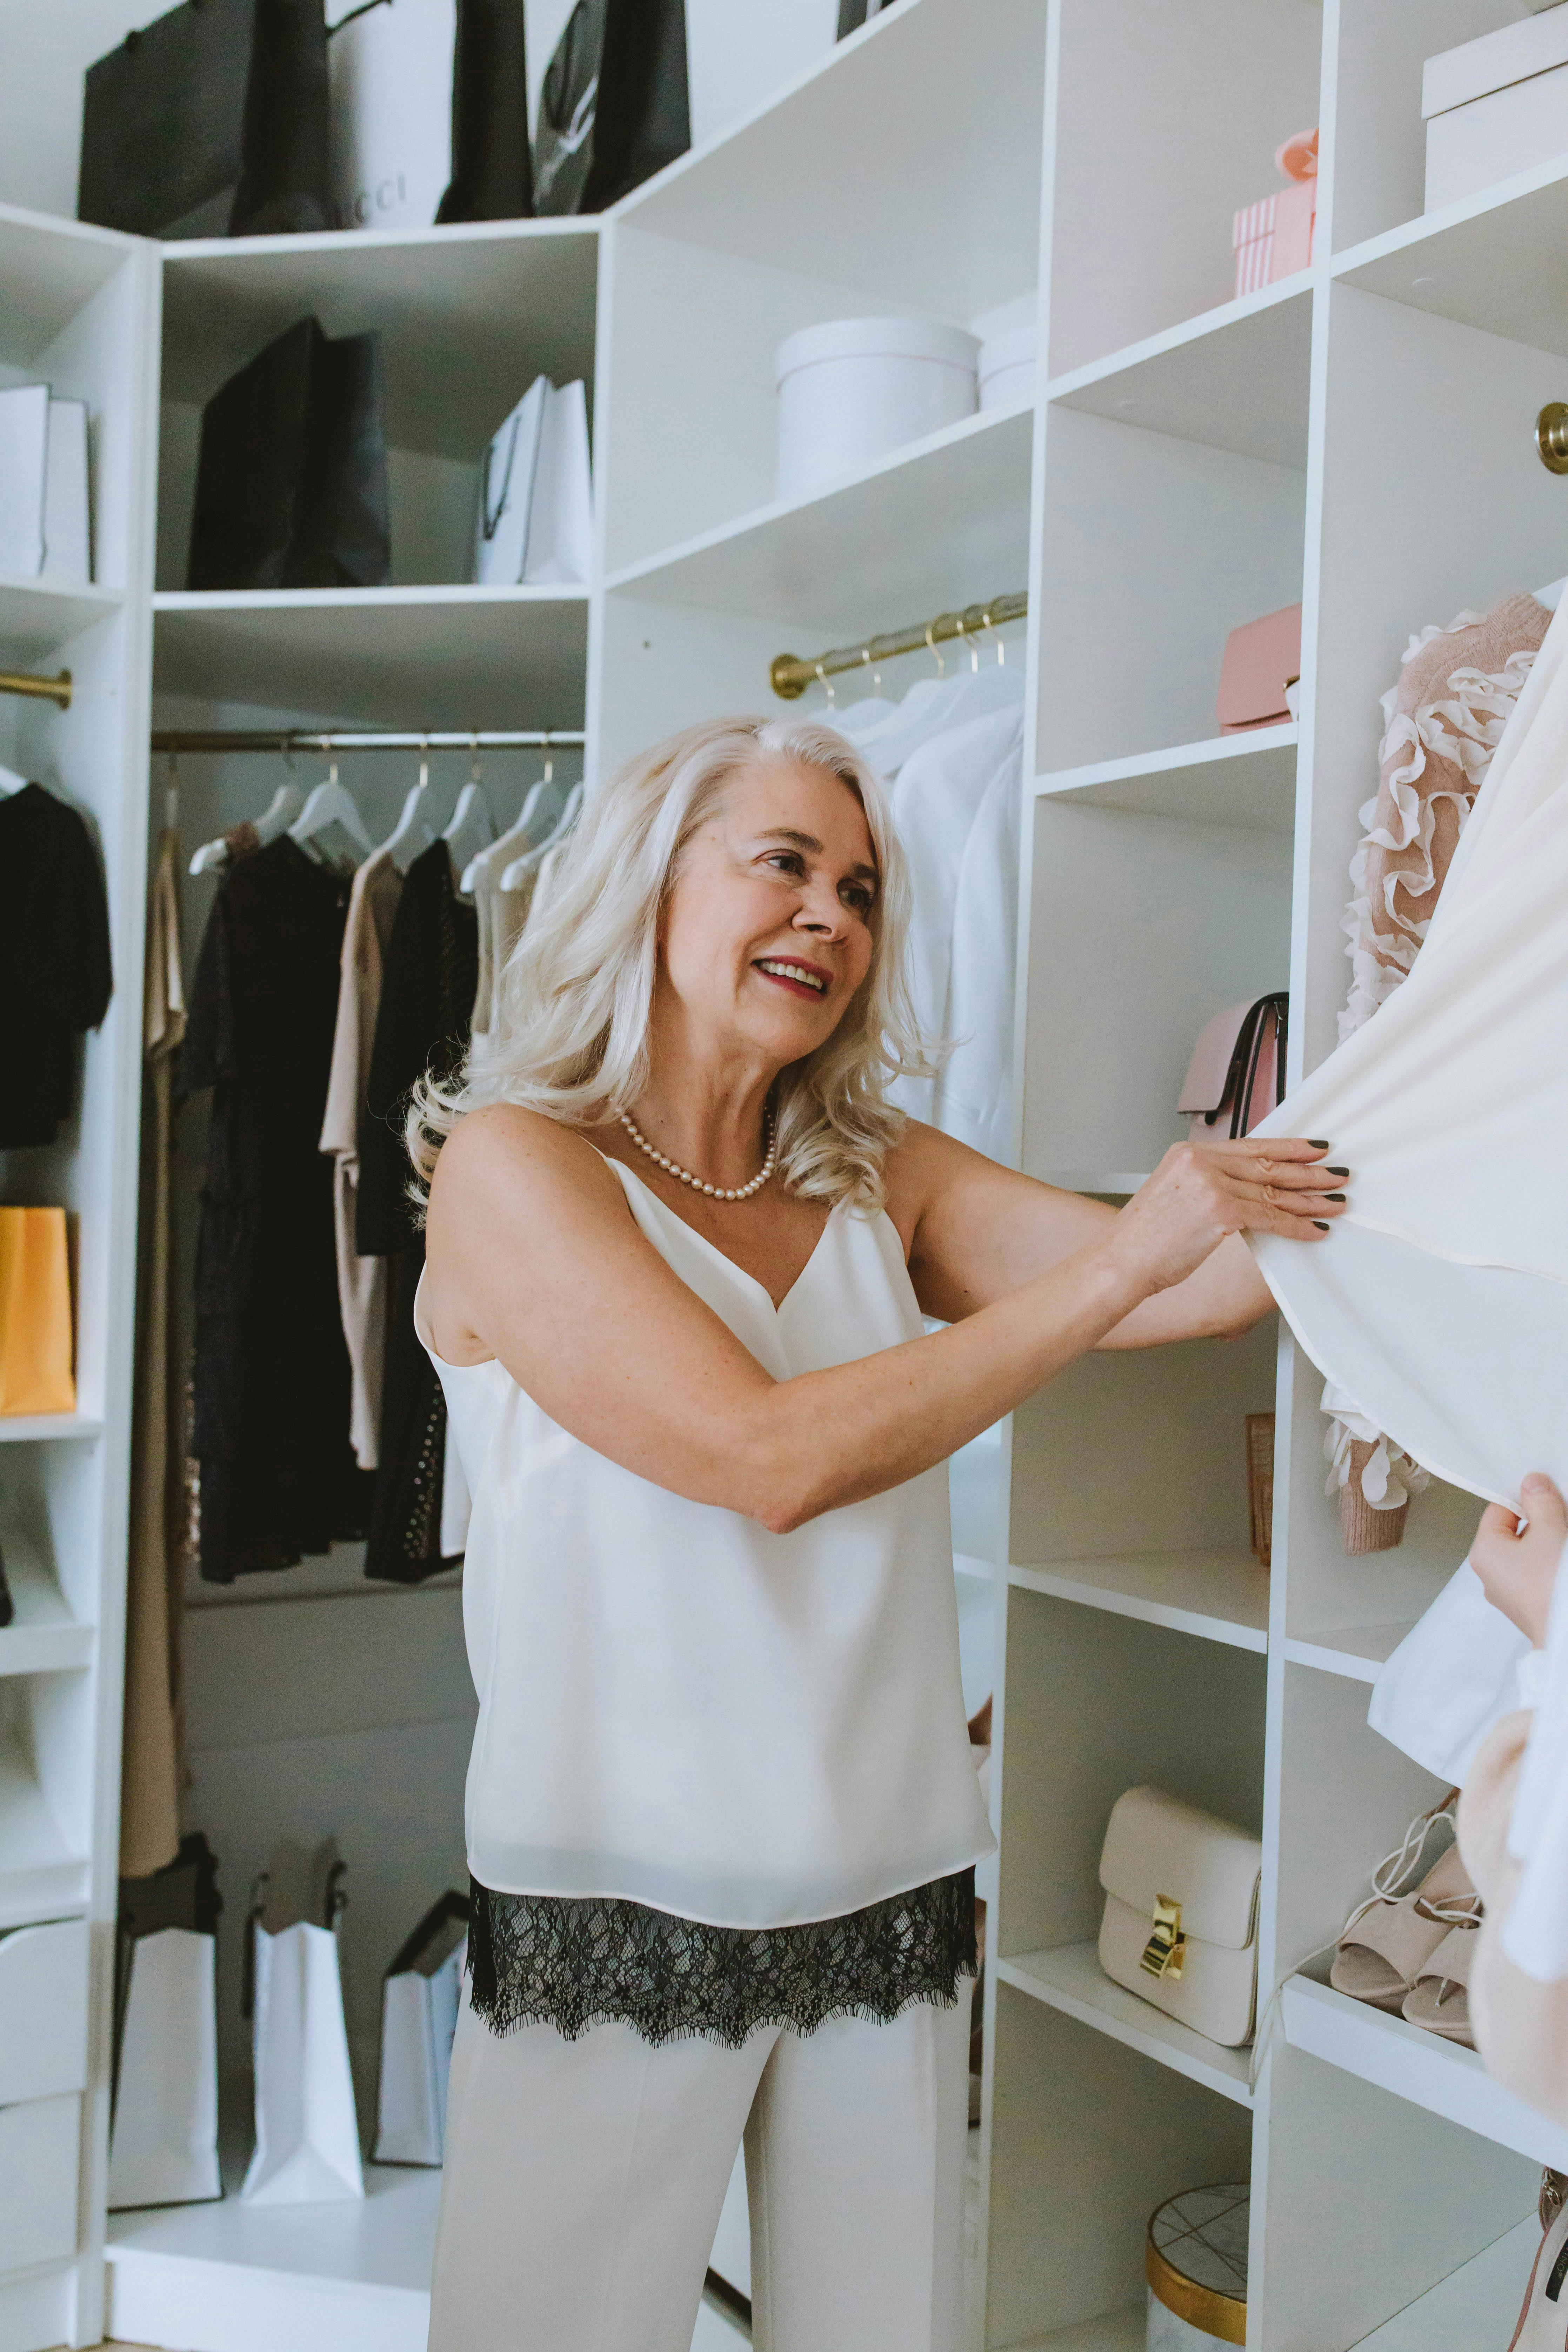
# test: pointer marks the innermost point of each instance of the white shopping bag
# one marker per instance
(390, 66)
(561, 517)
(68, 535)
(162, 2147)
(420, 2000)
(506, 491)
(307, 2128)
(23, 443)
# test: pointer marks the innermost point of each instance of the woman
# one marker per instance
(722, 1817)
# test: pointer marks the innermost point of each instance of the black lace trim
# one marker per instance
(574, 1962)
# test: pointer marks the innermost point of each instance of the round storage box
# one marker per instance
(853, 390)
(1008, 366)
(1195, 2262)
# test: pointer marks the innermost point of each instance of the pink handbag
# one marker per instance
(1238, 1071)
(1261, 659)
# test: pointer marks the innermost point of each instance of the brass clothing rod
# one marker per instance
(790, 675)
(538, 739)
(46, 689)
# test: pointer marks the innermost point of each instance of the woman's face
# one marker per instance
(767, 931)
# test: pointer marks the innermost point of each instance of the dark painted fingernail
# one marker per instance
(1322, 1224)
(1336, 1171)
(1333, 1196)
(1320, 1143)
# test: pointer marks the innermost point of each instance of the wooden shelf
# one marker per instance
(42, 1637)
(1358, 1651)
(442, 655)
(49, 268)
(1071, 1978)
(1416, 2065)
(35, 614)
(25, 1428)
(1126, 2330)
(1483, 262)
(1220, 1596)
(945, 518)
(1235, 377)
(468, 314)
(1246, 780)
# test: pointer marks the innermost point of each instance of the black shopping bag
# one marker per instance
(291, 478)
(614, 106)
(492, 167)
(210, 122)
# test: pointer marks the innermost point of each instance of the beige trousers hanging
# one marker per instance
(583, 2181)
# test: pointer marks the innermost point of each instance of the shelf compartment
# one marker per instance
(941, 522)
(1476, 2303)
(1071, 1978)
(354, 2277)
(515, 298)
(1358, 1651)
(1439, 2075)
(1247, 780)
(1221, 1596)
(1126, 2330)
(1484, 262)
(442, 657)
(1235, 377)
(50, 269)
(38, 614)
(42, 1637)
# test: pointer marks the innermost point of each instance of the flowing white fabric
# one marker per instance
(677, 1706)
(1535, 1932)
(1439, 1303)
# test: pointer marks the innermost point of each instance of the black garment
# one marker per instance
(428, 983)
(574, 1962)
(54, 979)
(271, 1375)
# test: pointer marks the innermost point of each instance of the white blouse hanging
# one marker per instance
(1439, 1303)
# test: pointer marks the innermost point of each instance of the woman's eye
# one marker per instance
(857, 897)
(787, 861)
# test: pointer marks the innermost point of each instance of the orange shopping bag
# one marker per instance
(36, 1374)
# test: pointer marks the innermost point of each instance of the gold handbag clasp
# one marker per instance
(1163, 1951)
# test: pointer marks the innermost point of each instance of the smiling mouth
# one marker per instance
(800, 978)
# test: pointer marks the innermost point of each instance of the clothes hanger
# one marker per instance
(541, 812)
(472, 826)
(914, 701)
(517, 873)
(947, 703)
(870, 709)
(10, 781)
(411, 836)
(277, 817)
(330, 805)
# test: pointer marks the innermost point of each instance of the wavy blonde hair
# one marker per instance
(570, 1038)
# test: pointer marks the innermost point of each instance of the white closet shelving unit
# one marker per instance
(78, 311)
(1359, 437)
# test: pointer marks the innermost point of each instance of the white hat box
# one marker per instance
(853, 390)
(1496, 106)
(1009, 365)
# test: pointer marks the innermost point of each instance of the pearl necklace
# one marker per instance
(714, 1191)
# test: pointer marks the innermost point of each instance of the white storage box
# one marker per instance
(1496, 106)
(37, 2164)
(43, 2010)
(1009, 365)
(856, 389)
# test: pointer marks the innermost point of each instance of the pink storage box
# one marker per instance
(1261, 659)
(1273, 237)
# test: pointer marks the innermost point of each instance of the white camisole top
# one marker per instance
(677, 1708)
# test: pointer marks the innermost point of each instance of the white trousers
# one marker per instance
(583, 2181)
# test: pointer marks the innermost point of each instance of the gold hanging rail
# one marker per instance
(288, 739)
(43, 690)
(790, 675)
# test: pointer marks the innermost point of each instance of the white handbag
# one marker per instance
(391, 65)
(24, 446)
(307, 2128)
(1181, 1913)
(506, 491)
(419, 2002)
(561, 512)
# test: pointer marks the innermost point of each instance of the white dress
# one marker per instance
(679, 1708)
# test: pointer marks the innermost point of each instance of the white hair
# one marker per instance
(571, 1033)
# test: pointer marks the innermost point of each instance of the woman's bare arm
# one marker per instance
(534, 1257)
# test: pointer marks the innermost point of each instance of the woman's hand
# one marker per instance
(1202, 1192)
(1517, 1558)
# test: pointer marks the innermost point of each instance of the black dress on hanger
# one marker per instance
(279, 1478)
(55, 979)
(428, 983)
